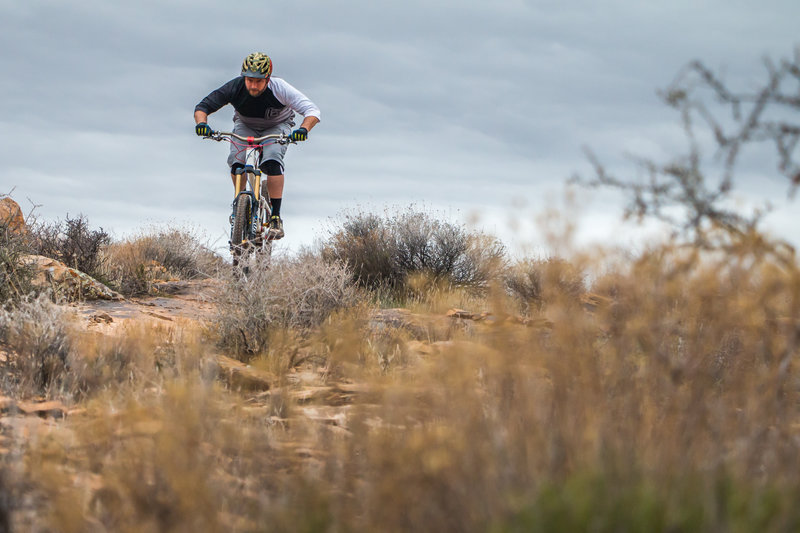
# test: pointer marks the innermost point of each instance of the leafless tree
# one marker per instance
(769, 114)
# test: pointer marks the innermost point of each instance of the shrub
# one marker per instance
(384, 252)
(523, 282)
(72, 242)
(37, 332)
(15, 274)
(136, 354)
(160, 254)
(154, 479)
(535, 283)
(366, 244)
(297, 293)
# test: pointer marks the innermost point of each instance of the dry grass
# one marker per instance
(158, 254)
(290, 294)
(533, 283)
(72, 242)
(673, 406)
(38, 331)
(386, 253)
(15, 276)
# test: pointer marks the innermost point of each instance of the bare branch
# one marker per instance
(682, 183)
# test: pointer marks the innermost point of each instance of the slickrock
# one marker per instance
(242, 376)
(466, 315)
(11, 215)
(67, 281)
(417, 325)
(489, 318)
(43, 409)
(101, 318)
(160, 317)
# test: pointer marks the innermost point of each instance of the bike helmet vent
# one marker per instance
(257, 65)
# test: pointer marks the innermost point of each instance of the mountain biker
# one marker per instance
(263, 105)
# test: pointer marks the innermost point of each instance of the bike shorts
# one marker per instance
(271, 150)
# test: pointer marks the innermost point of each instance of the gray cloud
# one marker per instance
(463, 105)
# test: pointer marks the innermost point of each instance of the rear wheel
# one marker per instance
(241, 223)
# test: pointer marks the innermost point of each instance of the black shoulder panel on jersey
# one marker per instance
(235, 93)
(220, 97)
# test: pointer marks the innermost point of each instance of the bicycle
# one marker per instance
(251, 207)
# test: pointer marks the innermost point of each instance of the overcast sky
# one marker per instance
(462, 107)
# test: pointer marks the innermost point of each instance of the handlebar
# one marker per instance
(280, 138)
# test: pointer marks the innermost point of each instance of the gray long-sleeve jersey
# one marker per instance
(275, 105)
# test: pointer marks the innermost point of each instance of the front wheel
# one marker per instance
(241, 223)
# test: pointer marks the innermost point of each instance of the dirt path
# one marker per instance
(187, 300)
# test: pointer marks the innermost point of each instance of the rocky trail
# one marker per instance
(176, 300)
(318, 405)
(294, 407)
(319, 402)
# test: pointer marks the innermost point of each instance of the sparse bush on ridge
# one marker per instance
(72, 242)
(383, 252)
(15, 274)
(366, 244)
(179, 251)
(523, 281)
(297, 293)
(134, 264)
(130, 266)
(535, 283)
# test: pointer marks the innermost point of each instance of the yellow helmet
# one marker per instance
(257, 65)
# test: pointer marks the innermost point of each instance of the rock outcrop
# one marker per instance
(11, 215)
(67, 282)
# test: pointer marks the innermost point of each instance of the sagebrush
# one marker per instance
(38, 333)
(16, 275)
(290, 293)
(159, 254)
(72, 242)
(383, 252)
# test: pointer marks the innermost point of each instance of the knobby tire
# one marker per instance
(241, 225)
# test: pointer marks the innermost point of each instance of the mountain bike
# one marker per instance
(251, 207)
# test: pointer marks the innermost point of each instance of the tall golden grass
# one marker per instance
(134, 264)
(667, 401)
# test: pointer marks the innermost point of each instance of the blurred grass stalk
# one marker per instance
(668, 400)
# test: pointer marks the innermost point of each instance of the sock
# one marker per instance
(276, 206)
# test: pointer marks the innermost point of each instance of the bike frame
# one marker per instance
(252, 177)
(255, 233)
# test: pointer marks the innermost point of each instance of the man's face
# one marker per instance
(255, 86)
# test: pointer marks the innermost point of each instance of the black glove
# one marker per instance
(203, 130)
(300, 134)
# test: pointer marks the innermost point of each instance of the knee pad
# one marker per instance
(235, 167)
(271, 168)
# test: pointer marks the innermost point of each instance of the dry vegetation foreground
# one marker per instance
(399, 381)
(142, 423)
(408, 375)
